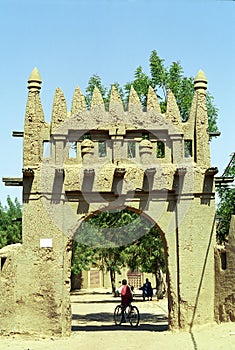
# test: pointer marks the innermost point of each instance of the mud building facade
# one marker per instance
(117, 164)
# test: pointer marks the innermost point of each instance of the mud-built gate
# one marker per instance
(84, 161)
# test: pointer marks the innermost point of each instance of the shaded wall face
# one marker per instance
(35, 282)
(190, 264)
(224, 279)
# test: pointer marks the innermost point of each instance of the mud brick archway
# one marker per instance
(146, 160)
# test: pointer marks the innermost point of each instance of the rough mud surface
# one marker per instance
(93, 329)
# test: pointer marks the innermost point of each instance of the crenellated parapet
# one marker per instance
(134, 138)
(152, 102)
(173, 112)
(59, 111)
(78, 102)
(116, 110)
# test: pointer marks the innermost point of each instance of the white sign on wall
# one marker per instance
(45, 242)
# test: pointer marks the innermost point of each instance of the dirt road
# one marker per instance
(93, 329)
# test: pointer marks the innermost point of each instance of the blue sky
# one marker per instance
(69, 40)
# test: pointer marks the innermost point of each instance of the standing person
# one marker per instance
(147, 290)
(126, 297)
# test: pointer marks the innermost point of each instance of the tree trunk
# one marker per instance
(160, 287)
(112, 277)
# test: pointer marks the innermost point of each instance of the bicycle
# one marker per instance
(121, 315)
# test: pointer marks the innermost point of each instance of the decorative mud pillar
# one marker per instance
(87, 150)
(202, 136)
(34, 121)
(146, 152)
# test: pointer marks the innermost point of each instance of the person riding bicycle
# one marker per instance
(126, 296)
(126, 311)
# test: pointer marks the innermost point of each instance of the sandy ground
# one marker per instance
(93, 329)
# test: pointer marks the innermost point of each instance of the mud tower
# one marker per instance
(87, 160)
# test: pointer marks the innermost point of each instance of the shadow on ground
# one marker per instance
(104, 301)
(95, 301)
(148, 322)
(126, 327)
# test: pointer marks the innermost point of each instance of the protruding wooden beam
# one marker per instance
(214, 133)
(13, 181)
(223, 180)
(17, 133)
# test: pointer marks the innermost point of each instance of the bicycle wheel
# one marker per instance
(118, 315)
(134, 317)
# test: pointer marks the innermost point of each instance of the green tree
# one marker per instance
(147, 255)
(161, 78)
(172, 78)
(10, 223)
(106, 234)
(82, 257)
(110, 260)
(117, 228)
(95, 81)
(158, 72)
(141, 84)
(226, 206)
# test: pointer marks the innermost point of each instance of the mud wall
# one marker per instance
(224, 278)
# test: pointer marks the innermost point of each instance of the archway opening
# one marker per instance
(110, 245)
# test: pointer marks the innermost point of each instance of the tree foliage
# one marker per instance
(95, 81)
(99, 239)
(162, 79)
(226, 206)
(82, 257)
(10, 228)
(141, 84)
(110, 260)
(147, 253)
(115, 239)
